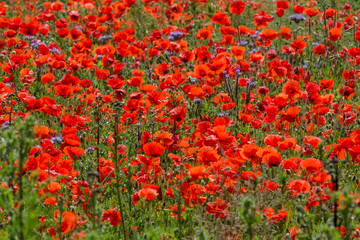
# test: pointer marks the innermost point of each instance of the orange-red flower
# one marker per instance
(292, 89)
(113, 216)
(272, 159)
(285, 33)
(218, 208)
(217, 65)
(335, 34)
(203, 34)
(320, 49)
(261, 19)
(311, 165)
(311, 12)
(221, 18)
(67, 221)
(153, 149)
(237, 51)
(178, 114)
(298, 45)
(268, 34)
(237, 7)
(297, 186)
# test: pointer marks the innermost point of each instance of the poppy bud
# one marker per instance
(80, 200)
(287, 236)
(353, 178)
(93, 174)
(249, 86)
(303, 225)
(98, 190)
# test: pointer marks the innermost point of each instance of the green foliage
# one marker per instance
(145, 23)
(20, 211)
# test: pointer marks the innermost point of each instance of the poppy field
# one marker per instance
(179, 119)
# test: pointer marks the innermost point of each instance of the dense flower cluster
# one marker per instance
(183, 113)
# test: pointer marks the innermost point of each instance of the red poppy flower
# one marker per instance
(292, 89)
(335, 34)
(207, 155)
(261, 19)
(68, 222)
(280, 12)
(203, 34)
(102, 73)
(153, 149)
(319, 49)
(288, 143)
(272, 159)
(298, 45)
(113, 216)
(298, 9)
(178, 114)
(46, 78)
(147, 194)
(282, 4)
(268, 212)
(29, 29)
(187, 56)
(288, 50)
(135, 81)
(51, 201)
(54, 187)
(311, 12)
(74, 16)
(56, 6)
(292, 164)
(74, 152)
(285, 33)
(221, 18)
(218, 208)
(311, 165)
(237, 7)
(354, 52)
(268, 34)
(347, 92)
(298, 186)
(281, 216)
